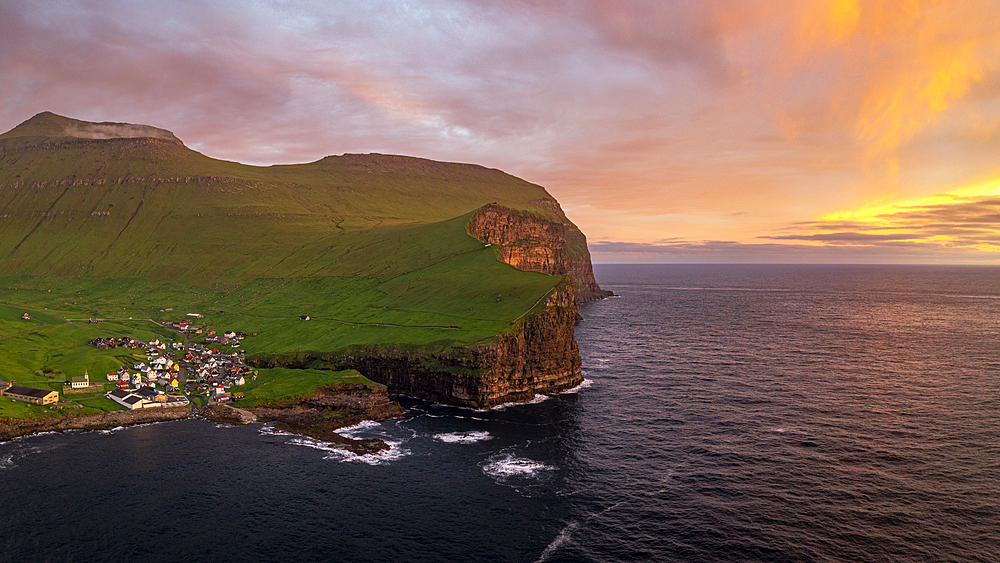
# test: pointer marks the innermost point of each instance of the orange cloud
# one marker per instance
(909, 60)
(828, 23)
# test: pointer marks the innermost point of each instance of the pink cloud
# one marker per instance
(626, 110)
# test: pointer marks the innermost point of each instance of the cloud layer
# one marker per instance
(743, 120)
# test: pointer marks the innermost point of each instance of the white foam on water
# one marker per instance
(269, 430)
(394, 453)
(464, 437)
(120, 428)
(537, 399)
(338, 453)
(311, 443)
(6, 462)
(352, 431)
(508, 466)
(29, 436)
(586, 383)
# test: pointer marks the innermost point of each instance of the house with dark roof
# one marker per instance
(144, 398)
(30, 395)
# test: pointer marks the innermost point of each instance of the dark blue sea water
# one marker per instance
(730, 413)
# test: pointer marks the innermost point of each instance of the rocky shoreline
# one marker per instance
(319, 416)
(11, 428)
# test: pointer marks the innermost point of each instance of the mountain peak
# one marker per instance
(48, 124)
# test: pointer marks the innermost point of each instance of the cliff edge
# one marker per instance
(550, 244)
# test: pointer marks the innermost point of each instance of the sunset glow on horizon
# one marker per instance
(825, 131)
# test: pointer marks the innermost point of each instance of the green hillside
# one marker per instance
(116, 221)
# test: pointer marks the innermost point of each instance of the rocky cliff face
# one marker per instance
(539, 243)
(537, 354)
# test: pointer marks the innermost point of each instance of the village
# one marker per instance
(173, 374)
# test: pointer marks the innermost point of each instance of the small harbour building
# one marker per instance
(30, 395)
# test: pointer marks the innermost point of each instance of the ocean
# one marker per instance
(729, 413)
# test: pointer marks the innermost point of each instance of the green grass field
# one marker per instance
(277, 385)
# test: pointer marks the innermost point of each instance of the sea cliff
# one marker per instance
(537, 354)
(539, 243)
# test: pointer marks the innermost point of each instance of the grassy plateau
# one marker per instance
(139, 231)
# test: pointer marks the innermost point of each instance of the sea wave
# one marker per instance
(362, 426)
(125, 427)
(470, 437)
(586, 383)
(509, 467)
(535, 400)
(268, 429)
(337, 451)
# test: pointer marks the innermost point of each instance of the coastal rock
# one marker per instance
(14, 427)
(227, 414)
(330, 408)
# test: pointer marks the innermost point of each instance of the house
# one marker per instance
(128, 400)
(147, 393)
(240, 381)
(78, 382)
(141, 398)
(26, 317)
(194, 315)
(303, 317)
(30, 395)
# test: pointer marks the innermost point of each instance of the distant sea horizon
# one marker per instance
(730, 412)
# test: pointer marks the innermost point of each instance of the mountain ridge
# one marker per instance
(378, 247)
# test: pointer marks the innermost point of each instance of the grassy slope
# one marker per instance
(372, 247)
(277, 385)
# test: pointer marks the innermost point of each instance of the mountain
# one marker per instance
(452, 282)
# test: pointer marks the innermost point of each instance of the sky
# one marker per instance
(720, 131)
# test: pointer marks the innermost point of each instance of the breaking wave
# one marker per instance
(470, 437)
